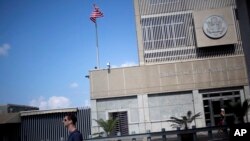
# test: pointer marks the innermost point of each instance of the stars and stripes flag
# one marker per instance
(96, 14)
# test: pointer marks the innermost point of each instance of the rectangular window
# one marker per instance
(167, 31)
(122, 123)
(171, 34)
(213, 102)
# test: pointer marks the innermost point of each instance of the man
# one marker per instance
(222, 116)
(69, 122)
(222, 121)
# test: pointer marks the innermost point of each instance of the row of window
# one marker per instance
(167, 43)
(212, 51)
(169, 19)
(175, 30)
(167, 31)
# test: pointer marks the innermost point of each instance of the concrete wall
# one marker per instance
(119, 104)
(162, 107)
(147, 112)
(139, 33)
(106, 106)
(170, 77)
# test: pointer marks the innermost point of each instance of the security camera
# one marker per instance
(108, 65)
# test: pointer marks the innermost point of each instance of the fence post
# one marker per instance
(194, 133)
(149, 137)
(164, 138)
(178, 135)
(209, 133)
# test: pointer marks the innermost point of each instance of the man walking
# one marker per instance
(69, 122)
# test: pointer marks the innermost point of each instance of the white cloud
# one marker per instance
(40, 102)
(128, 64)
(4, 49)
(54, 102)
(86, 103)
(74, 85)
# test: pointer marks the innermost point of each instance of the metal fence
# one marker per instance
(195, 134)
(49, 127)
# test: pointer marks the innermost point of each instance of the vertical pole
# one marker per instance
(97, 48)
(164, 138)
(210, 134)
(178, 135)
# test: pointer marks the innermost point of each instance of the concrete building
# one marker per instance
(190, 58)
(14, 108)
(10, 121)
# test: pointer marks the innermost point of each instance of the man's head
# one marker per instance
(222, 110)
(69, 119)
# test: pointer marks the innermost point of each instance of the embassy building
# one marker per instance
(190, 59)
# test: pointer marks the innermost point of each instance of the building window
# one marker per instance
(122, 123)
(167, 31)
(168, 37)
(213, 102)
(155, 2)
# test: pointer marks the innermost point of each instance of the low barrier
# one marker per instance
(209, 133)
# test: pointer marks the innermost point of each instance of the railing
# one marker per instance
(211, 133)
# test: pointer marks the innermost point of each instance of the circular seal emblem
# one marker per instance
(215, 26)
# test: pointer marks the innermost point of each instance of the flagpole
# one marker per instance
(97, 48)
(94, 15)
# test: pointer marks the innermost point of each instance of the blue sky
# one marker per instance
(48, 46)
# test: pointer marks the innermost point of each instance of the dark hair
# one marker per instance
(71, 116)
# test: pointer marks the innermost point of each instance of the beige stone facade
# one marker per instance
(159, 78)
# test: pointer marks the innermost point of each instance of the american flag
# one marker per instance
(96, 14)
